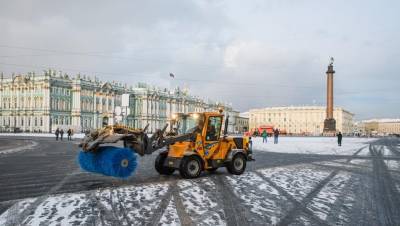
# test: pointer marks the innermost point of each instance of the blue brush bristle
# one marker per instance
(107, 161)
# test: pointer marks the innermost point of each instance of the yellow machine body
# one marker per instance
(213, 149)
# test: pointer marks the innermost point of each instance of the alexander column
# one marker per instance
(330, 122)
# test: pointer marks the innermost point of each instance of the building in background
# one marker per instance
(43, 103)
(242, 123)
(380, 127)
(155, 106)
(304, 120)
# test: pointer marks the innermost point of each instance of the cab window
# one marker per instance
(213, 128)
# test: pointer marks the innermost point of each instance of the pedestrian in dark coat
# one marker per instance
(57, 133)
(69, 132)
(264, 136)
(62, 133)
(276, 135)
(339, 138)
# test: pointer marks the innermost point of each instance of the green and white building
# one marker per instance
(43, 103)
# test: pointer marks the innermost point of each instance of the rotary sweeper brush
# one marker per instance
(194, 144)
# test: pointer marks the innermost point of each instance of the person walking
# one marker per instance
(57, 133)
(62, 133)
(69, 133)
(276, 135)
(339, 138)
(264, 136)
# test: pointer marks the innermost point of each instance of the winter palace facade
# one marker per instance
(43, 103)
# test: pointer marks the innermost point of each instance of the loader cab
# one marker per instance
(213, 130)
(187, 123)
(207, 124)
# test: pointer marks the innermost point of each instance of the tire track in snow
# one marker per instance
(163, 205)
(184, 217)
(229, 202)
(106, 215)
(385, 193)
(306, 211)
(30, 209)
(292, 214)
(261, 203)
(30, 146)
(296, 210)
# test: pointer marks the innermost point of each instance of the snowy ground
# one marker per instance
(341, 191)
(312, 145)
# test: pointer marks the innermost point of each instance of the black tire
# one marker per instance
(238, 164)
(190, 167)
(159, 165)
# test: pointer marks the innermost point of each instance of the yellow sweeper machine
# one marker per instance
(195, 143)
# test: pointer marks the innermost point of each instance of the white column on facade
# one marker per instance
(107, 97)
(157, 113)
(168, 108)
(112, 96)
(94, 123)
(101, 103)
(76, 105)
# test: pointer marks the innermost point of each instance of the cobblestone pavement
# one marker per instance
(44, 186)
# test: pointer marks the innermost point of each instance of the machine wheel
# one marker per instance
(190, 167)
(159, 165)
(237, 165)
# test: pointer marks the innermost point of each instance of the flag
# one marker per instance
(171, 75)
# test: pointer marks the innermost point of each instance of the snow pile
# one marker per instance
(312, 145)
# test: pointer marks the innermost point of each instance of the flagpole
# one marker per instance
(171, 76)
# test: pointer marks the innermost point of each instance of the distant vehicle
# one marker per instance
(258, 130)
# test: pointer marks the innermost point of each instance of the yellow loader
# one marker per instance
(195, 143)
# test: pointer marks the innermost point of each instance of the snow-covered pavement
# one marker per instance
(312, 145)
(340, 191)
(184, 200)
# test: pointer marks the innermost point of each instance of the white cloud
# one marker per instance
(253, 54)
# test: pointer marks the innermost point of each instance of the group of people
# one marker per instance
(264, 135)
(60, 133)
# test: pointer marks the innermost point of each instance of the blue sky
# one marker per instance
(248, 53)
